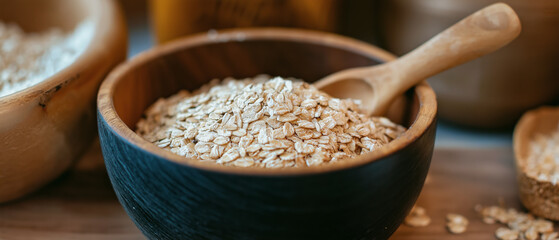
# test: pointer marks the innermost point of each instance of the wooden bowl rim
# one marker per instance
(523, 132)
(103, 14)
(424, 119)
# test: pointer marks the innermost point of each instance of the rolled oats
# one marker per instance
(542, 162)
(264, 122)
(456, 223)
(550, 236)
(503, 233)
(29, 58)
(519, 225)
(417, 218)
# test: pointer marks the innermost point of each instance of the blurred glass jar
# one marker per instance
(175, 18)
(493, 91)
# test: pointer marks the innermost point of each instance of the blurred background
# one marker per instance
(479, 102)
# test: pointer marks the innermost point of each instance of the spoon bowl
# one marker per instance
(476, 35)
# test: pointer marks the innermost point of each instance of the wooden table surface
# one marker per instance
(81, 204)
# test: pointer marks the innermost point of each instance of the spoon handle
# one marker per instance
(476, 35)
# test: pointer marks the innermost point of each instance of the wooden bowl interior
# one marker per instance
(544, 120)
(191, 67)
(34, 16)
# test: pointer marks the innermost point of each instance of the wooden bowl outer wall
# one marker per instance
(169, 197)
(541, 198)
(45, 127)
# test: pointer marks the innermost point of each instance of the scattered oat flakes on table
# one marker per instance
(417, 218)
(504, 233)
(456, 223)
(519, 225)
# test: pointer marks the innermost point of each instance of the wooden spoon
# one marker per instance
(376, 86)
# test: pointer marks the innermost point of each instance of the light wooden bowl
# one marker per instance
(541, 198)
(45, 127)
(170, 197)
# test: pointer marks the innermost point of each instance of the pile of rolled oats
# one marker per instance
(542, 162)
(263, 122)
(519, 225)
(29, 58)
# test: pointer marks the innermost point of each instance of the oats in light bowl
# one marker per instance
(29, 58)
(536, 149)
(264, 122)
(456, 223)
(543, 161)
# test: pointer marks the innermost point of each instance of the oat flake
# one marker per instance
(456, 223)
(542, 162)
(417, 218)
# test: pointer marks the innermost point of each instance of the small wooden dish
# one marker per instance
(45, 127)
(170, 197)
(541, 198)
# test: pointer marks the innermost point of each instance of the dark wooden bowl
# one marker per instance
(169, 197)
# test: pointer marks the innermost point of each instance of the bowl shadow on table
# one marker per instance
(170, 197)
(86, 181)
(80, 204)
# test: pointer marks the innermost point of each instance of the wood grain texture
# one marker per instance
(82, 205)
(45, 127)
(172, 19)
(363, 198)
